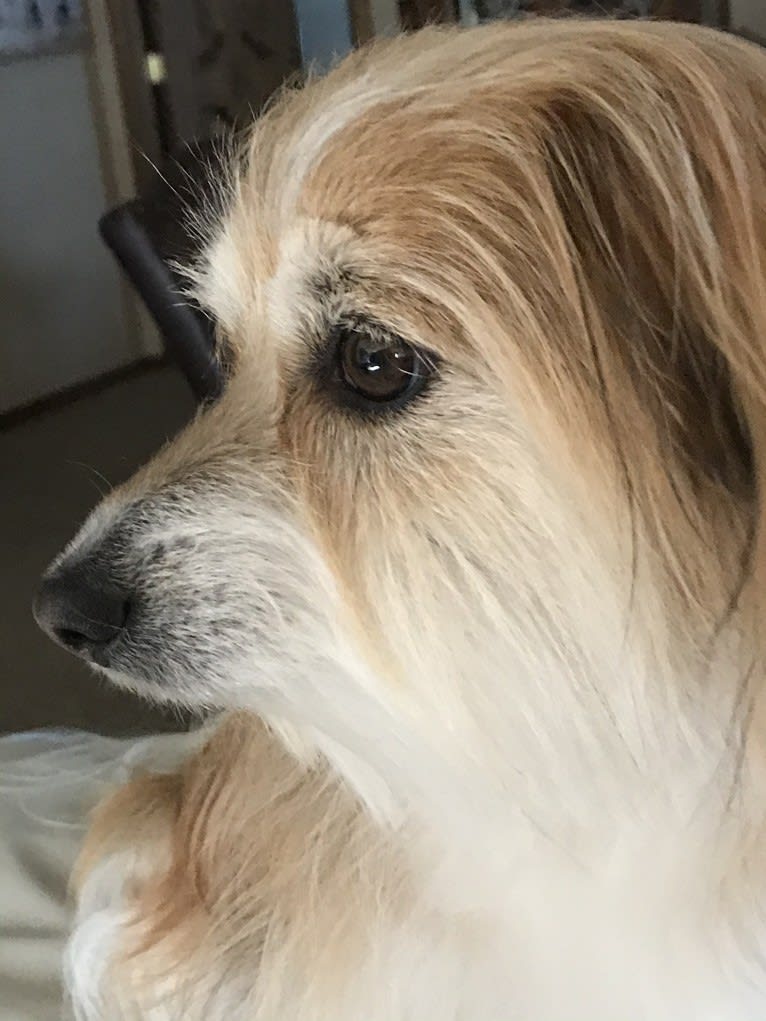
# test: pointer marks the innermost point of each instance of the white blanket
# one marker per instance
(49, 782)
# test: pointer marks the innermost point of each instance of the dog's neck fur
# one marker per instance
(614, 794)
(584, 860)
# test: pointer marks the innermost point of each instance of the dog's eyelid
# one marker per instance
(370, 325)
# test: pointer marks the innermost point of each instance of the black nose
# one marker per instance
(81, 609)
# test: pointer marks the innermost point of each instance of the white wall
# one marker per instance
(61, 313)
(749, 14)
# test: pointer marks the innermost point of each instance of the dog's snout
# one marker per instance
(82, 608)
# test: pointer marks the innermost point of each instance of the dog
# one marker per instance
(466, 564)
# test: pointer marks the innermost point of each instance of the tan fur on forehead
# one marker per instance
(421, 162)
(269, 174)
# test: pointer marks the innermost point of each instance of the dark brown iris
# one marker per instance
(380, 368)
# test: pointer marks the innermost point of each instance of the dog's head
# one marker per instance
(486, 463)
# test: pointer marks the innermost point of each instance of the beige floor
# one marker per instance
(52, 468)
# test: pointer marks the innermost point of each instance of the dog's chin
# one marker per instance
(145, 687)
(191, 695)
(175, 683)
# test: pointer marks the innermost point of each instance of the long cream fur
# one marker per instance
(495, 662)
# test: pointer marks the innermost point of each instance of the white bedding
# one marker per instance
(49, 781)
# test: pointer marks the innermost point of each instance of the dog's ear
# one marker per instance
(655, 154)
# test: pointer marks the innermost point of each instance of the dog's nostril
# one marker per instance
(72, 639)
(81, 610)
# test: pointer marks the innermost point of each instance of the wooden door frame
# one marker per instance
(123, 118)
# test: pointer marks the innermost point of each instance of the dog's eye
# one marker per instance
(380, 368)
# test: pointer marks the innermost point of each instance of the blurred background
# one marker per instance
(106, 107)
